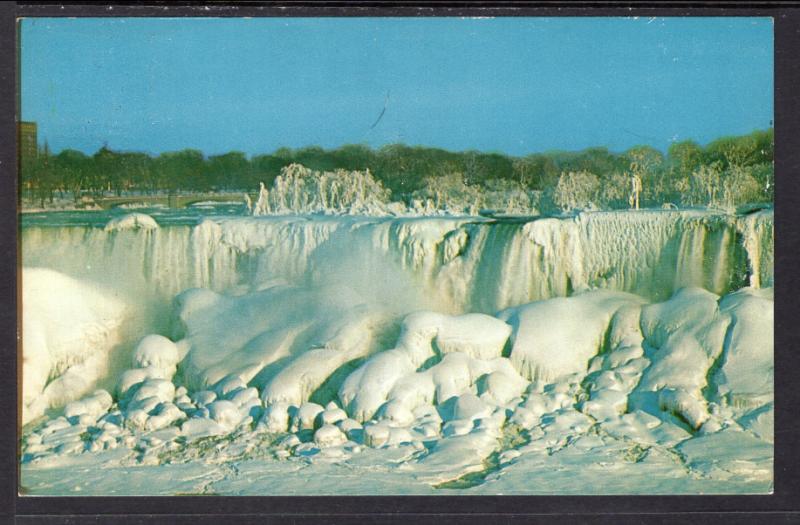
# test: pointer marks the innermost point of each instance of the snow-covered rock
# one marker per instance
(225, 413)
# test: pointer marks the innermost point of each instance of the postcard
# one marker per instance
(389, 256)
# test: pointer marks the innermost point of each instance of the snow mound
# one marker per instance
(557, 337)
(131, 221)
(94, 405)
(157, 351)
(746, 374)
(425, 336)
(70, 330)
(285, 340)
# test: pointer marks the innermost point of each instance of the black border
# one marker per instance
(783, 505)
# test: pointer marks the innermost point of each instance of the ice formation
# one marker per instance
(442, 352)
(70, 332)
(555, 338)
(285, 340)
(451, 195)
(299, 190)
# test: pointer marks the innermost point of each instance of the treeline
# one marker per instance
(728, 170)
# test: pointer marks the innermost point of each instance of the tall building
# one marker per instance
(28, 140)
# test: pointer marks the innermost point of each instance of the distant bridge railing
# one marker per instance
(171, 201)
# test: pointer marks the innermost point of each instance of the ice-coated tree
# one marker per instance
(614, 191)
(645, 162)
(705, 184)
(739, 187)
(299, 189)
(575, 190)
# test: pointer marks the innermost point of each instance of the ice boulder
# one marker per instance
(141, 400)
(156, 351)
(244, 397)
(197, 427)
(136, 376)
(557, 337)
(229, 385)
(164, 415)
(500, 387)
(367, 388)
(225, 413)
(468, 406)
(331, 416)
(94, 405)
(306, 416)
(203, 397)
(425, 338)
(376, 435)
(275, 418)
(329, 436)
(396, 413)
(427, 333)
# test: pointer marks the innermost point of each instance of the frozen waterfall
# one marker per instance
(453, 264)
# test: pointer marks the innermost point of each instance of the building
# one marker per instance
(27, 140)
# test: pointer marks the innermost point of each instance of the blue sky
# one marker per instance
(514, 85)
